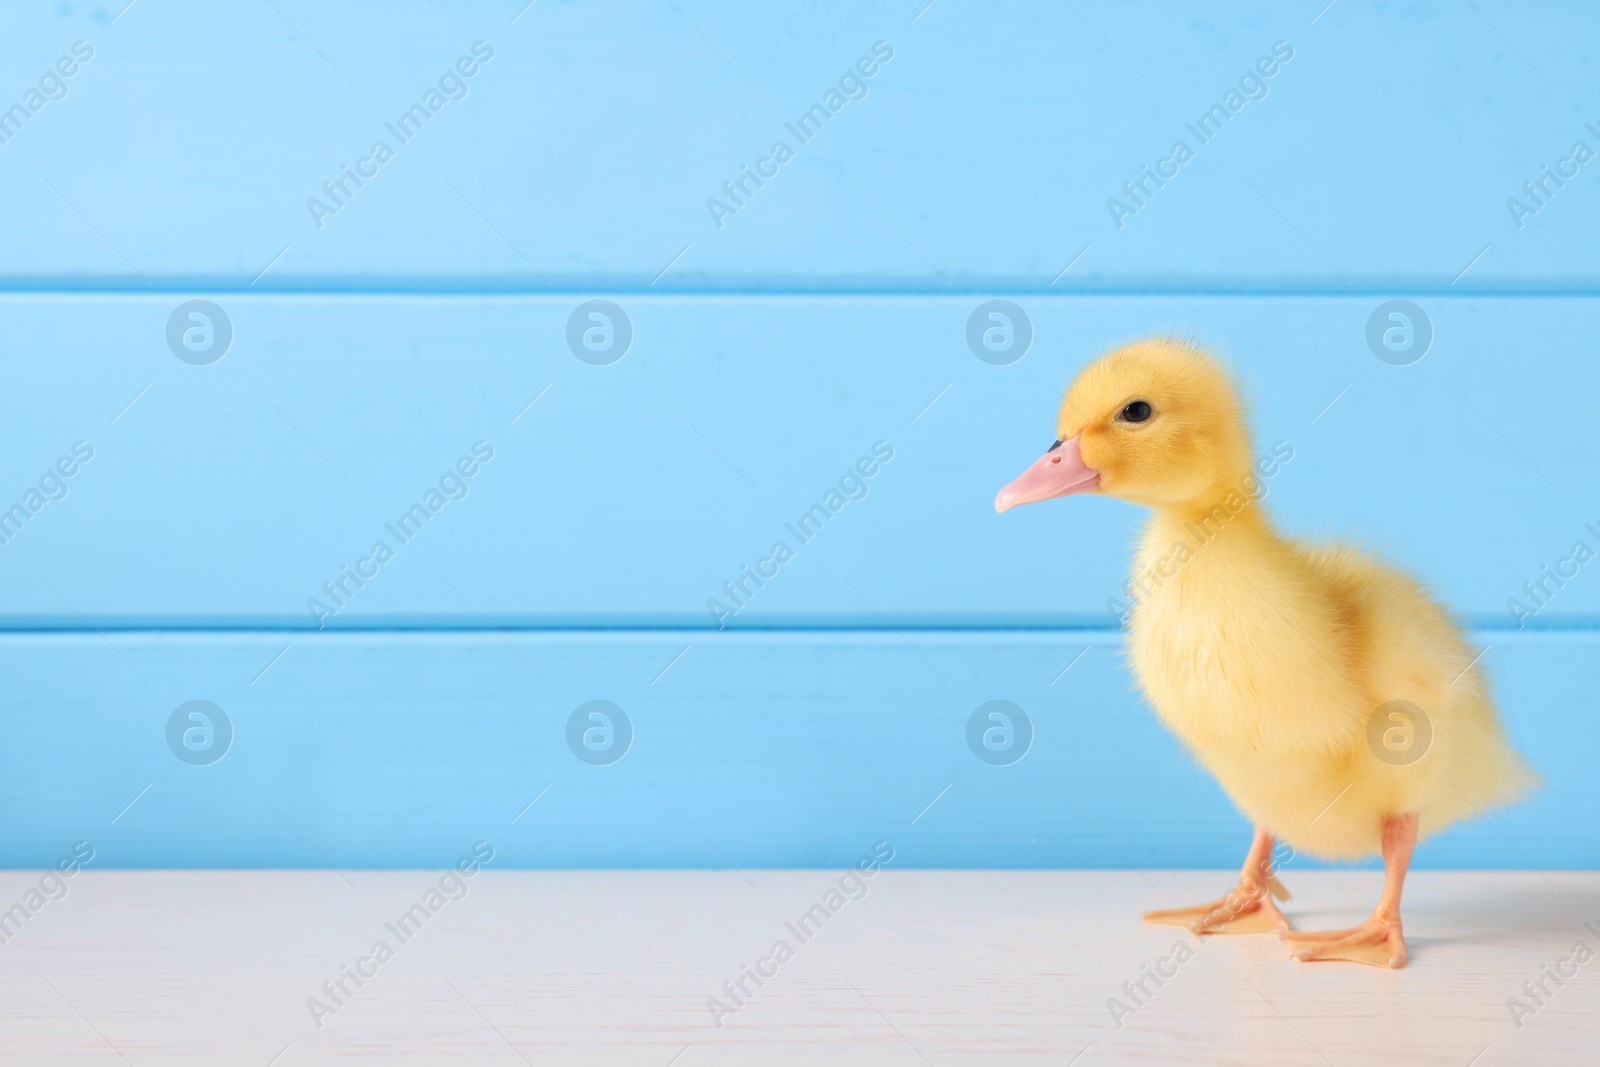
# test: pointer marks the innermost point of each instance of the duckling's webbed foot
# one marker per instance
(1247, 909)
(1378, 942)
(1243, 911)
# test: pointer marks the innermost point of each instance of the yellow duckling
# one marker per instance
(1332, 698)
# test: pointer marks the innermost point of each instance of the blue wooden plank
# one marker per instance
(629, 494)
(389, 750)
(1385, 147)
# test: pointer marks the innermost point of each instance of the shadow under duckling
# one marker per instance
(1333, 699)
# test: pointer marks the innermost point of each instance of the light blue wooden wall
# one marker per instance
(772, 348)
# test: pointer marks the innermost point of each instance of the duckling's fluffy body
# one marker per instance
(1268, 657)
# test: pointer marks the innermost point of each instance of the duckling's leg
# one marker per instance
(1247, 909)
(1378, 942)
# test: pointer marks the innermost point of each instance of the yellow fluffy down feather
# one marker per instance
(1276, 661)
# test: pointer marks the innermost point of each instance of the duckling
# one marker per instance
(1333, 699)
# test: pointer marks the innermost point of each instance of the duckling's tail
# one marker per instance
(1484, 771)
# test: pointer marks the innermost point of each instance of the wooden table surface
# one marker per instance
(913, 967)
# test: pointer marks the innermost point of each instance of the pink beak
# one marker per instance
(1059, 472)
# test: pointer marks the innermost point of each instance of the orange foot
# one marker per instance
(1247, 910)
(1377, 942)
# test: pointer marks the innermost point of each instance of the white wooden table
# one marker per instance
(928, 967)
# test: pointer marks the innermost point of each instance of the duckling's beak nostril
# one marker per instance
(1058, 472)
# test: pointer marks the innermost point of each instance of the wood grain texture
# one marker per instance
(944, 967)
(769, 749)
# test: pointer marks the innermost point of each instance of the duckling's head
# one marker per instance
(1157, 422)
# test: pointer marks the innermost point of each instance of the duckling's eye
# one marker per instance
(1136, 411)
